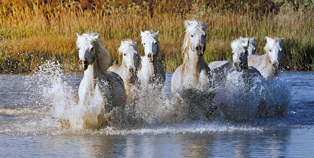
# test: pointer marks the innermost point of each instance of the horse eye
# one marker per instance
(270, 50)
(124, 54)
(205, 35)
(155, 42)
(92, 49)
(144, 44)
(191, 35)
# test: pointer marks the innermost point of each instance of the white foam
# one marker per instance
(58, 111)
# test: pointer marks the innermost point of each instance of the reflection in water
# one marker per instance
(271, 143)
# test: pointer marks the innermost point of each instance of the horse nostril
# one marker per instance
(85, 62)
(199, 48)
(80, 61)
(131, 70)
(149, 55)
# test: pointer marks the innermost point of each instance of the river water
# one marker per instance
(30, 128)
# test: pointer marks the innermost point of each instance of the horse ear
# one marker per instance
(245, 42)
(187, 23)
(252, 39)
(77, 34)
(267, 38)
(97, 35)
(142, 33)
(156, 34)
(252, 43)
(281, 40)
(205, 26)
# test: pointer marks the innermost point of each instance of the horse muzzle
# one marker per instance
(150, 57)
(132, 71)
(200, 50)
(238, 66)
(83, 64)
(276, 65)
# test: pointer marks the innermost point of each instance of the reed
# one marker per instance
(32, 32)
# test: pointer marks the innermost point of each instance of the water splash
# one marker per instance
(153, 111)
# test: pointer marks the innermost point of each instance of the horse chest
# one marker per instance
(196, 80)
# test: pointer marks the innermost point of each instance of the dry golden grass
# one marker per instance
(32, 32)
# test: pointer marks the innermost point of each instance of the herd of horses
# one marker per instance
(193, 83)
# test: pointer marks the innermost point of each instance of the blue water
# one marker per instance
(28, 129)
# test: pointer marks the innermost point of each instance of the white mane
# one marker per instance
(271, 42)
(124, 45)
(85, 39)
(191, 25)
(150, 33)
(239, 44)
(88, 40)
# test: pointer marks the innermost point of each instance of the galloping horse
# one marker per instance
(268, 63)
(97, 81)
(131, 62)
(251, 50)
(192, 81)
(152, 71)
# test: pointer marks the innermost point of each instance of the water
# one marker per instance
(31, 107)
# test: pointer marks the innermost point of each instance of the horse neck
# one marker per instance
(125, 73)
(148, 67)
(266, 59)
(89, 76)
(268, 64)
(192, 62)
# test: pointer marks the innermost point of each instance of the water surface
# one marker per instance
(29, 129)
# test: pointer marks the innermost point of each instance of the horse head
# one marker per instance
(195, 38)
(240, 53)
(130, 57)
(86, 48)
(151, 44)
(274, 48)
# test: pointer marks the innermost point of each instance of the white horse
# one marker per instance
(191, 81)
(233, 76)
(268, 63)
(131, 62)
(97, 81)
(152, 71)
(238, 63)
(251, 50)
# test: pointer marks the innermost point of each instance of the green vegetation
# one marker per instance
(32, 32)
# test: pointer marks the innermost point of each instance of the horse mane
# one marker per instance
(103, 56)
(151, 33)
(252, 43)
(125, 44)
(238, 44)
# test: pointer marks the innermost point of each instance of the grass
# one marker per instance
(32, 32)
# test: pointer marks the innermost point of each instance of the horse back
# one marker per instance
(216, 64)
(114, 68)
(255, 60)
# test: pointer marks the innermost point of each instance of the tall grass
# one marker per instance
(32, 32)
